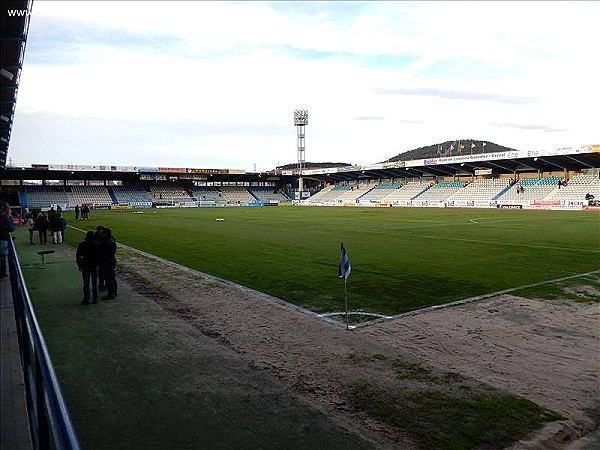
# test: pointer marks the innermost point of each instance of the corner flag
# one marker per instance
(345, 268)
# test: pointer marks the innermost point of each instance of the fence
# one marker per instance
(49, 419)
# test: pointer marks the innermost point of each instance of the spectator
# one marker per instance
(55, 225)
(99, 237)
(63, 227)
(109, 251)
(88, 257)
(7, 226)
(31, 228)
(42, 225)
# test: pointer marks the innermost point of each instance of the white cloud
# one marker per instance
(216, 83)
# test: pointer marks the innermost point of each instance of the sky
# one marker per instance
(215, 84)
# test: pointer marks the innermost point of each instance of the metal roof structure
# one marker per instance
(513, 162)
(14, 26)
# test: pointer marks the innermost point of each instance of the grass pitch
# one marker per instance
(402, 258)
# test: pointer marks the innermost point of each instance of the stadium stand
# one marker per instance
(268, 193)
(236, 195)
(169, 194)
(481, 190)
(44, 196)
(349, 195)
(378, 193)
(407, 192)
(533, 189)
(320, 195)
(441, 191)
(207, 194)
(90, 195)
(135, 196)
(576, 189)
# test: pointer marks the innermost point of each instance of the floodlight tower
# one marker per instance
(300, 120)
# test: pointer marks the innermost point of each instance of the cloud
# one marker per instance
(455, 95)
(369, 118)
(523, 126)
(216, 83)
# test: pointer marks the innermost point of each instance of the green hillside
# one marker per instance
(444, 149)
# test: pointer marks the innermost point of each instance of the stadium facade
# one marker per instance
(562, 178)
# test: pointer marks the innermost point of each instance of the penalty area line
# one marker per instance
(474, 299)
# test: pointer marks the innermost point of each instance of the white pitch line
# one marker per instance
(496, 243)
(474, 299)
(324, 317)
(514, 244)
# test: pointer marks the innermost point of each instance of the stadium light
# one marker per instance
(301, 120)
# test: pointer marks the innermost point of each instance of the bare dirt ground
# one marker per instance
(547, 352)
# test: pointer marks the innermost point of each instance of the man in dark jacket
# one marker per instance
(55, 227)
(109, 253)
(88, 257)
(42, 225)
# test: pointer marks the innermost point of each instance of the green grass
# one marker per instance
(446, 411)
(402, 258)
(582, 290)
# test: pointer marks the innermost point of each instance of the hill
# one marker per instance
(450, 148)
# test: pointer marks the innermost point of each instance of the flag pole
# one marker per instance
(346, 303)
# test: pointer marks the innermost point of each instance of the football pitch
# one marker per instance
(402, 258)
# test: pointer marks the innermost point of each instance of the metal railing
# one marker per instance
(49, 419)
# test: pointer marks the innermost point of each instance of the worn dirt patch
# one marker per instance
(544, 351)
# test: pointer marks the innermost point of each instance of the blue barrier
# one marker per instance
(49, 419)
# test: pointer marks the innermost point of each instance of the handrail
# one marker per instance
(49, 417)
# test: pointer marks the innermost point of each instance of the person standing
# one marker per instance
(76, 212)
(88, 257)
(7, 226)
(85, 210)
(99, 236)
(109, 253)
(41, 224)
(55, 225)
(30, 227)
(63, 227)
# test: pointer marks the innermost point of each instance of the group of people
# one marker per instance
(55, 223)
(84, 210)
(7, 226)
(97, 261)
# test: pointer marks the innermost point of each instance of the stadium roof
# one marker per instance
(14, 25)
(510, 162)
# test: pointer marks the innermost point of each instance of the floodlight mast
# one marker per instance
(300, 120)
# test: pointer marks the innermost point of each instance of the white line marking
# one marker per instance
(477, 298)
(325, 317)
(514, 244)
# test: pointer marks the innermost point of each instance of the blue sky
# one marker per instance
(215, 84)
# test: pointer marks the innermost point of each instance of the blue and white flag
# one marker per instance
(345, 268)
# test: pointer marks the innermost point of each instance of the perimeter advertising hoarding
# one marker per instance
(172, 170)
(91, 168)
(214, 171)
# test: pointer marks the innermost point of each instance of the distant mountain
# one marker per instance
(314, 165)
(450, 148)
